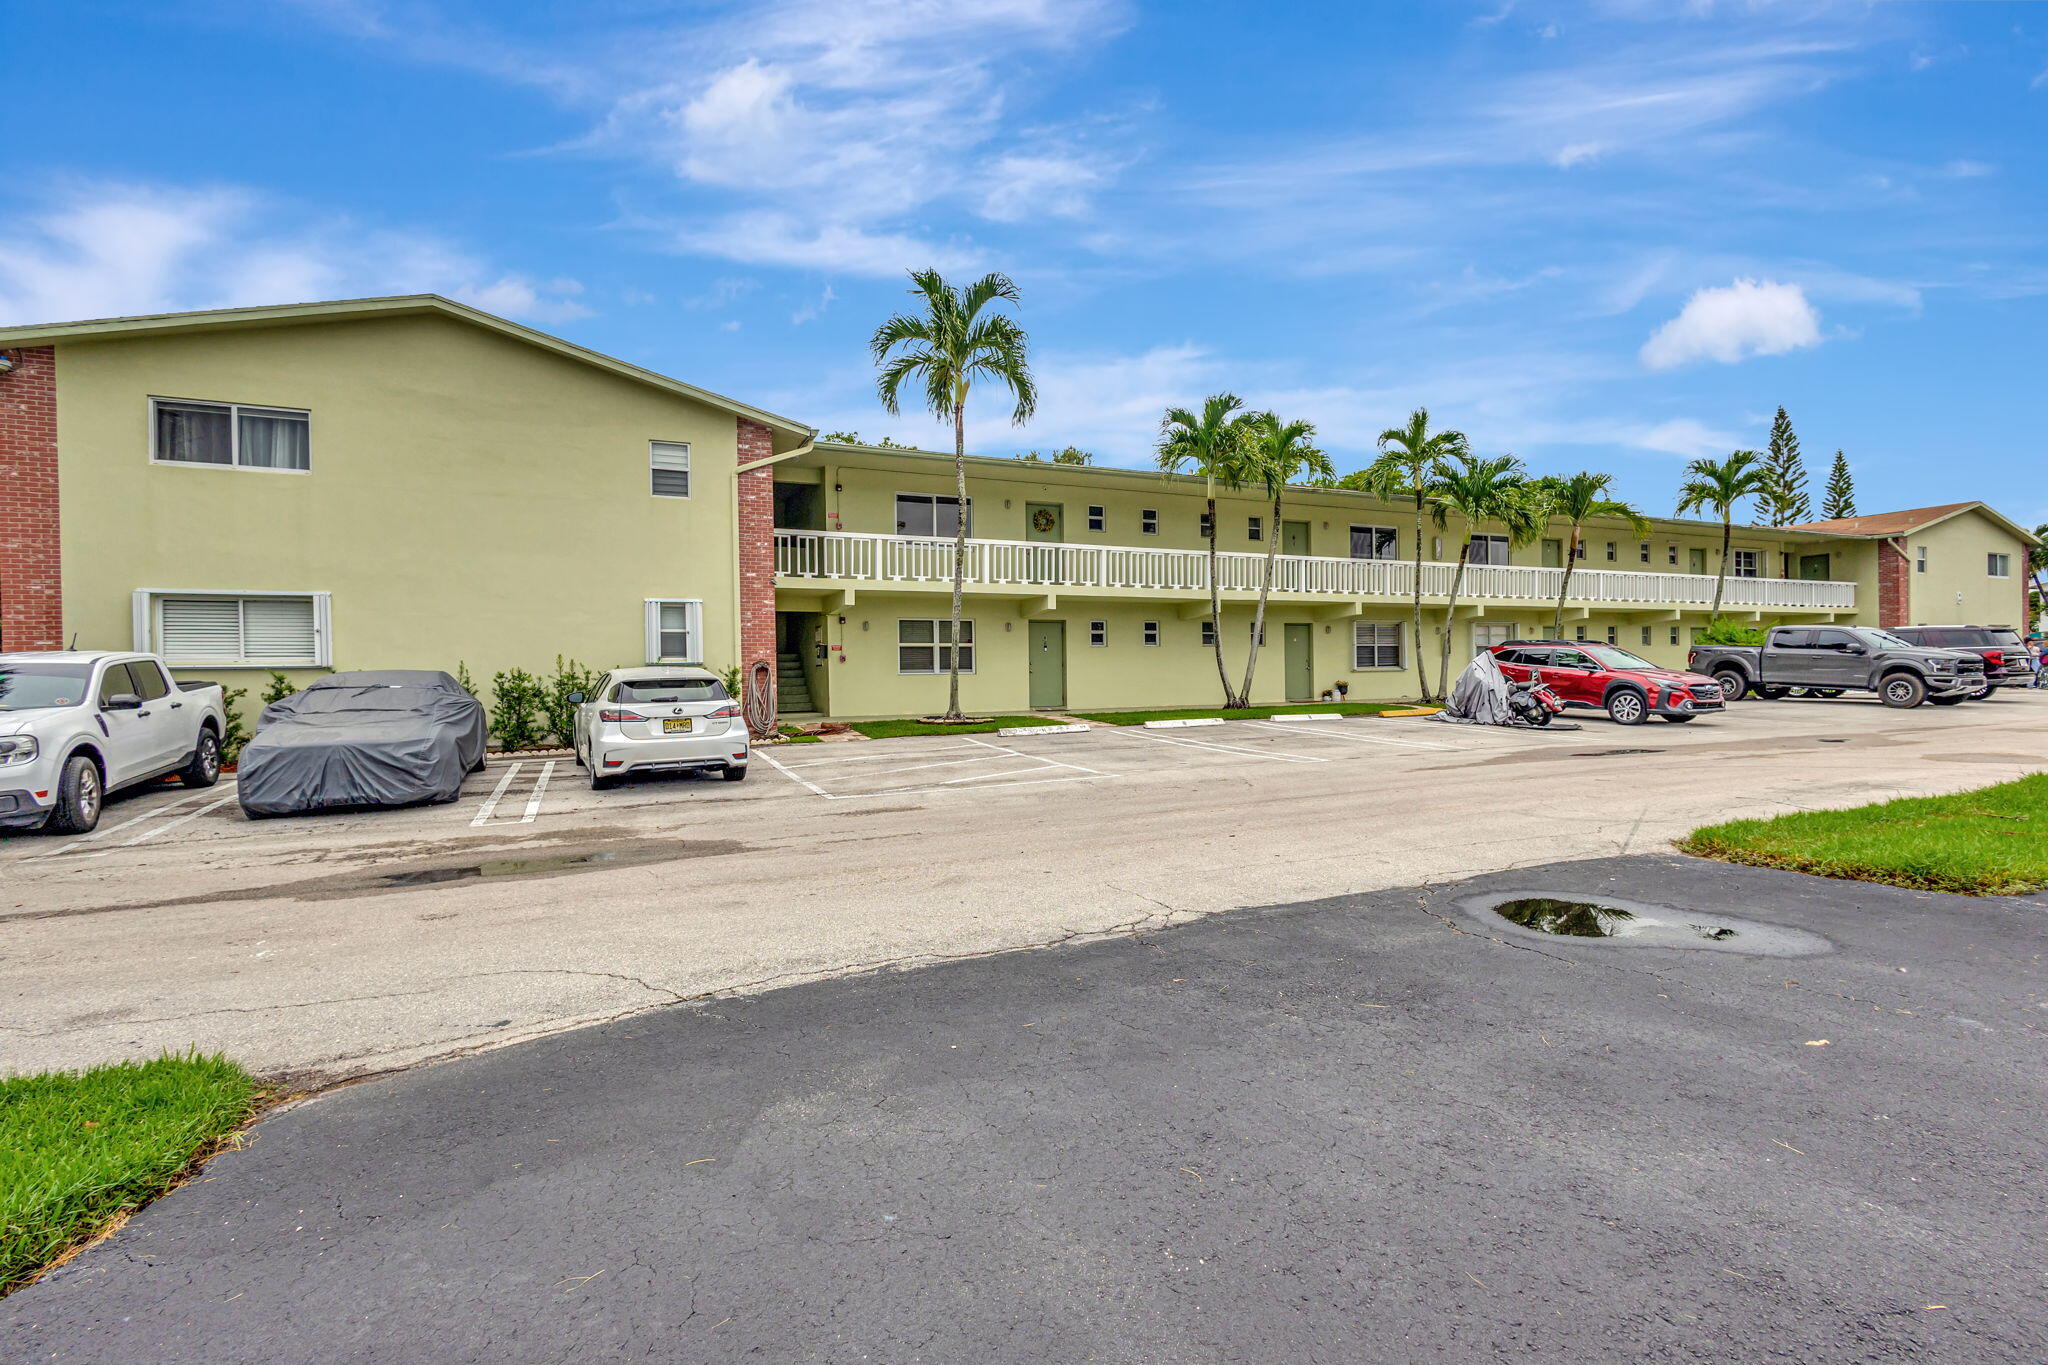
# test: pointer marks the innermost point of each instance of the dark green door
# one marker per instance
(1048, 645)
(1301, 661)
(1813, 566)
(1293, 537)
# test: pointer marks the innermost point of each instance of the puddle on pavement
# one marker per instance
(1606, 753)
(1654, 926)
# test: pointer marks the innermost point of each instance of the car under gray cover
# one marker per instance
(396, 737)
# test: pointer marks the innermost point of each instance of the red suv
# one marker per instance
(1600, 677)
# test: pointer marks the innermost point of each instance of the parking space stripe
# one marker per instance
(1049, 762)
(1237, 749)
(154, 830)
(490, 805)
(910, 768)
(860, 758)
(105, 831)
(540, 789)
(805, 781)
(1327, 733)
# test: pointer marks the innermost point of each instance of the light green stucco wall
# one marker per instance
(1956, 589)
(471, 499)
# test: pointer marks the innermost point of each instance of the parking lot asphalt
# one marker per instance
(344, 944)
(1378, 1127)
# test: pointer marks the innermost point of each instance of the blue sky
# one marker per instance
(1610, 235)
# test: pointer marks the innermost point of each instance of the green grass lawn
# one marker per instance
(897, 729)
(1346, 708)
(77, 1150)
(1989, 842)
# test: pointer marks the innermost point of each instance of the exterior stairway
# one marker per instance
(792, 692)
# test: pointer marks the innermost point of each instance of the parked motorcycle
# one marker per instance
(1532, 702)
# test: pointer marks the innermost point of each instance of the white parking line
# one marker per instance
(1354, 738)
(540, 789)
(911, 768)
(1049, 762)
(791, 775)
(491, 802)
(154, 830)
(860, 758)
(74, 845)
(1237, 749)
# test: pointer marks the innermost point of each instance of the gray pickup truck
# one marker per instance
(1827, 661)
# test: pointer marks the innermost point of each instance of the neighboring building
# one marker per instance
(413, 483)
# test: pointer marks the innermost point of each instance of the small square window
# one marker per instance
(1646, 551)
(1578, 632)
(675, 631)
(1255, 528)
(1098, 519)
(1098, 633)
(1151, 632)
(1208, 634)
(1148, 521)
(1998, 566)
(1613, 636)
(669, 467)
(1674, 635)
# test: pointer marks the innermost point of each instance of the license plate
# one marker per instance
(676, 727)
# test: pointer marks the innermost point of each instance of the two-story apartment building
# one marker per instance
(414, 483)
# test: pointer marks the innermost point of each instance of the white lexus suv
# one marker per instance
(659, 719)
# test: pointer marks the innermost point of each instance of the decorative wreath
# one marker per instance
(1041, 520)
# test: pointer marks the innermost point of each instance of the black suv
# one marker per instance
(2003, 651)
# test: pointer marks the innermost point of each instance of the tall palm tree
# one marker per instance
(1212, 444)
(1478, 490)
(945, 349)
(1577, 500)
(1406, 471)
(1277, 454)
(1720, 486)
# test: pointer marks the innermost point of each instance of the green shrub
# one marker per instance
(518, 709)
(1726, 630)
(463, 680)
(569, 678)
(233, 734)
(731, 678)
(280, 688)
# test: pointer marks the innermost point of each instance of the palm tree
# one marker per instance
(1212, 445)
(1578, 500)
(1276, 454)
(946, 348)
(1406, 470)
(1479, 490)
(1720, 486)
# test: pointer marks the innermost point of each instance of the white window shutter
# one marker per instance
(201, 629)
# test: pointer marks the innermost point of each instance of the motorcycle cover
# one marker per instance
(1480, 695)
(391, 737)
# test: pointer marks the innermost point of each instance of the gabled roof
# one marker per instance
(1912, 519)
(789, 434)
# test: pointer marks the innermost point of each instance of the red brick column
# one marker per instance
(31, 549)
(1894, 584)
(757, 552)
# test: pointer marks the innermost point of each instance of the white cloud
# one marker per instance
(766, 237)
(1571, 154)
(1686, 438)
(109, 250)
(1025, 185)
(1965, 169)
(811, 311)
(1743, 319)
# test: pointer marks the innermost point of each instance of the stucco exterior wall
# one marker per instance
(471, 499)
(1956, 589)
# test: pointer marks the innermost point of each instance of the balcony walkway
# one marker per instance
(846, 562)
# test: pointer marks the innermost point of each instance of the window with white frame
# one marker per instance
(233, 628)
(1098, 518)
(675, 630)
(1375, 542)
(1613, 635)
(1578, 632)
(669, 468)
(1746, 564)
(1488, 550)
(1490, 634)
(1612, 552)
(1148, 521)
(1256, 632)
(1646, 551)
(229, 434)
(1150, 633)
(1254, 528)
(1674, 635)
(1920, 559)
(1375, 644)
(1208, 634)
(1098, 634)
(1646, 634)
(1207, 524)
(927, 646)
(1673, 553)
(931, 514)
(1998, 566)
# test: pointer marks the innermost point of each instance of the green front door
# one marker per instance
(1301, 661)
(1048, 665)
(1293, 539)
(1813, 566)
(1696, 560)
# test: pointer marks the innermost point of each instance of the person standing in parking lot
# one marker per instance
(2034, 660)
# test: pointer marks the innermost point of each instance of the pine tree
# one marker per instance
(1841, 496)
(1786, 502)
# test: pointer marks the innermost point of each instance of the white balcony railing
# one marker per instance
(872, 559)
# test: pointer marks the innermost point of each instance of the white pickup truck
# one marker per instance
(75, 725)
